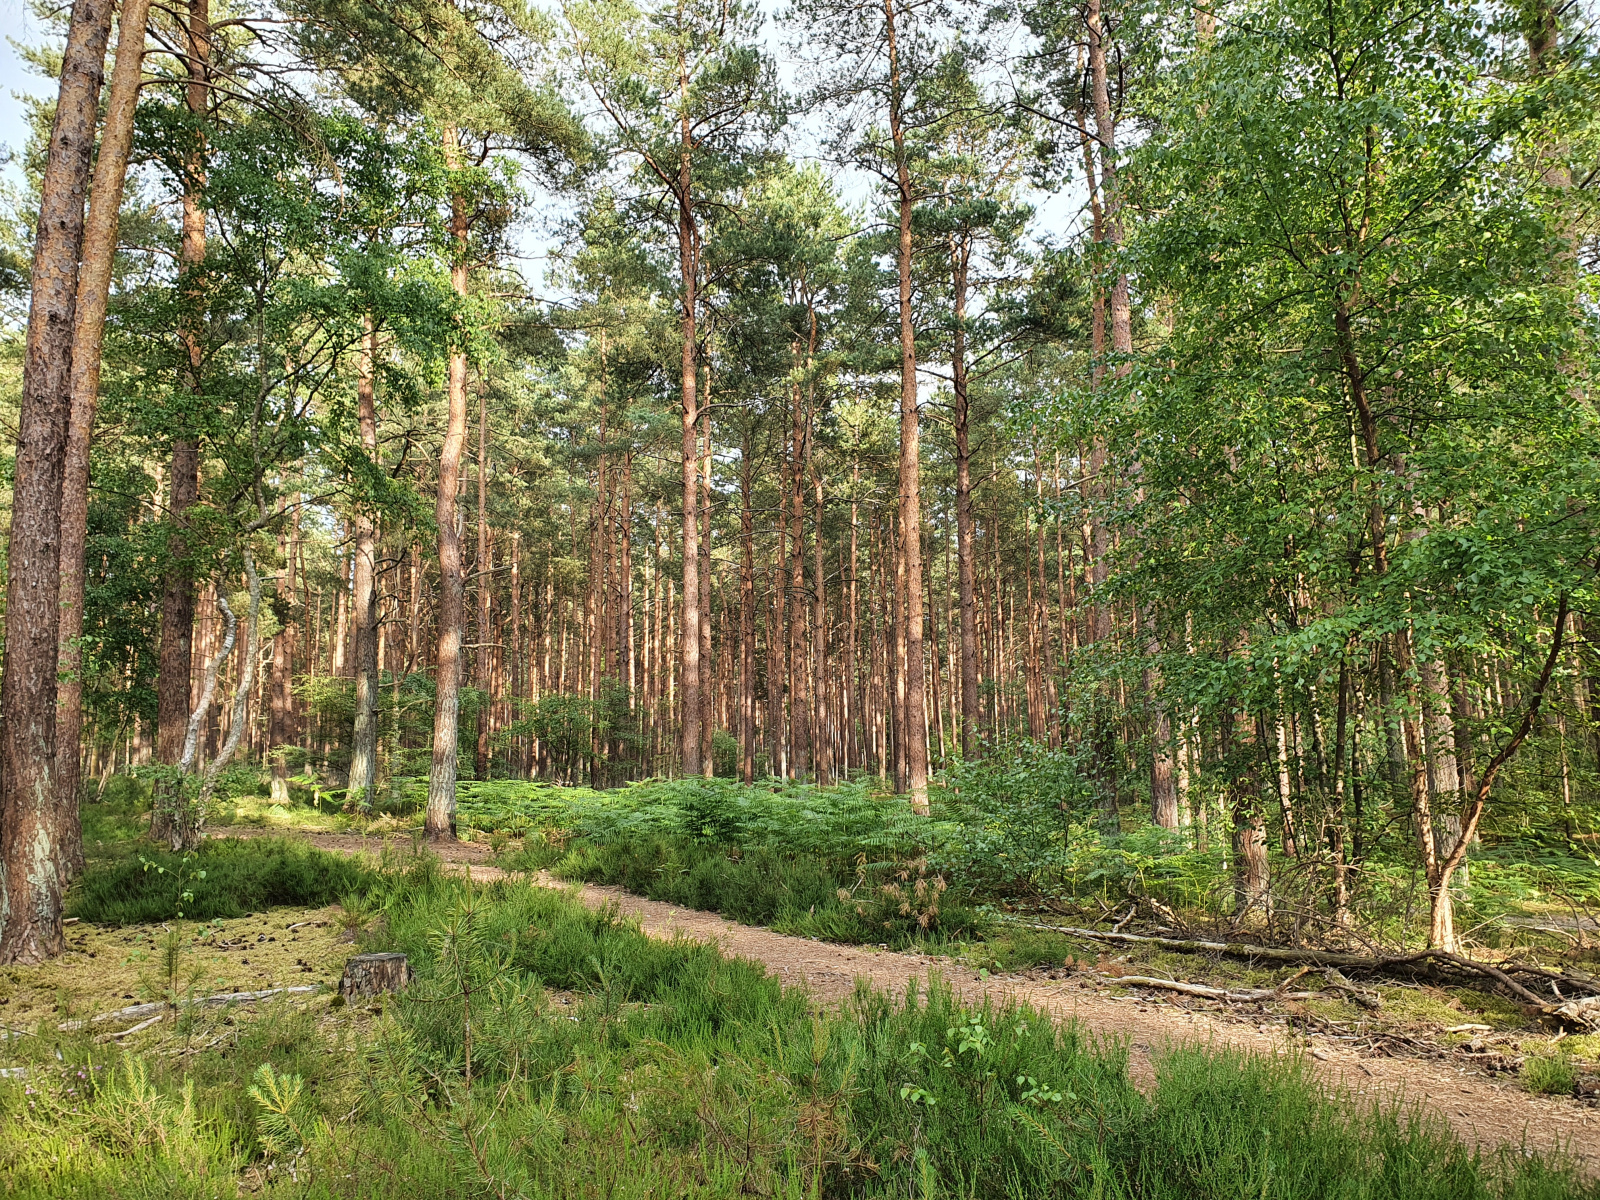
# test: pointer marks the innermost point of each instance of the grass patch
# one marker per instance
(546, 1049)
(800, 893)
(225, 878)
(1549, 1074)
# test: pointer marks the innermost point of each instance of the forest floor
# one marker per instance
(1483, 1110)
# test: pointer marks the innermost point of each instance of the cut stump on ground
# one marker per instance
(368, 975)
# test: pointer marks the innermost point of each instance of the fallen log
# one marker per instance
(1316, 958)
(157, 1008)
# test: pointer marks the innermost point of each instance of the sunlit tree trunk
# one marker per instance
(364, 593)
(483, 657)
(688, 278)
(94, 285)
(440, 823)
(910, 686)
(30, 866)
(178, 595)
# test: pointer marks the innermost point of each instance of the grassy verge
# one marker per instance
(224, 878)
(549, 1050)
(889, 903)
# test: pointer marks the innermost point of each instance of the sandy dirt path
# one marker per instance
(1484, 1111)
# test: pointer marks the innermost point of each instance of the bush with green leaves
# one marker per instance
(241, 875)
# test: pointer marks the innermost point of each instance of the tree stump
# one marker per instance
(368, 975)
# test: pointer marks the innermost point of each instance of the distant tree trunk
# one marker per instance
(1252, 880)
(364, 595)
(482, 656)
(30, 865)
(747, 617)
(915, 723)
(708, 761)
(959, 253)
(178, 595)
(799, 703)
(821, 740)
(280, 731)
(94, 285)
(241, 695)
(440, 824)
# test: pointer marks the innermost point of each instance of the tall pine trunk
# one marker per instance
(30, 869)
(482, 655)
(914, 723)
(88, 334)
(364, 593)
(178, 592)
(688, 269)
(441, 816)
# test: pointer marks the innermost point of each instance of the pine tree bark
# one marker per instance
(482, 656)
(915, 722)
(708, 685)
(176, 663)
(280, 732)
(30, 867)
(959, 254)
(364, 594)
(178, 594)
(689, 270)
(747, 615)
(799, 701)
(89, 322)
(440, 823)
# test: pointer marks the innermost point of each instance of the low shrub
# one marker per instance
(892, 903)
(240, 875)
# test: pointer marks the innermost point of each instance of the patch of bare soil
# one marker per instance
(1484, 1111)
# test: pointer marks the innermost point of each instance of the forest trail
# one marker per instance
(1483, 1111)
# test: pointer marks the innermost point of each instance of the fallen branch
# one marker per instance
(1317, 958)
(159, 1008)
(1336, 983)
(139, 1028)
(1231, 995)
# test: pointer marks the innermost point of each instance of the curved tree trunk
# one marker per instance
(94, 284)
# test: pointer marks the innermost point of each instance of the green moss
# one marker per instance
(1419, 1006)
(1585, 1046)
(1489, 1009)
